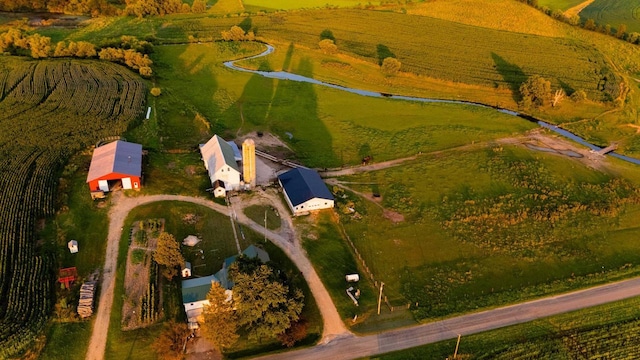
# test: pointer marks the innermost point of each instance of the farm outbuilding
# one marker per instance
(304, 191)
(219, 159)
(113, 163)
(73, 246)
(186, 270)
(218, 189)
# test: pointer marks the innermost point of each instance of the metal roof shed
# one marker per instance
(119, 160)
(305, 191)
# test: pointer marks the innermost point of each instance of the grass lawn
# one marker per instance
(84, 220)
(333, 259)
(605, 331)
(614, 13)
(217, 243)
(257, 213)
(476, 231)
(67, 341)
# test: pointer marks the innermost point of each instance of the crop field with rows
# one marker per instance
(48, 110)
(614, 13)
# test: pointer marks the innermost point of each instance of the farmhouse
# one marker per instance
(220, 161)
(194, 291)
(304, 191)
(113, 163)
(194, 297)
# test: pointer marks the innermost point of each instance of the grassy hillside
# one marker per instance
(48, 110)
(504, 15)
(614, 13)
(560, 4)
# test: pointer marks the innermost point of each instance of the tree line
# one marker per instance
(138, 8)
(129, 51)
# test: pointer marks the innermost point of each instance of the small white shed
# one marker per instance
(73, 246)
(186, 270)
(219, 189)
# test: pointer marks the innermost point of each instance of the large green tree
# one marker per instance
(265, 307)
(168, 255)
(220, 321)
(535, 91)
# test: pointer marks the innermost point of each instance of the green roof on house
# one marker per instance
(253, 251)
(197, 289)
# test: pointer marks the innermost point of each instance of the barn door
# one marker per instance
(103, 185)
(126, 183)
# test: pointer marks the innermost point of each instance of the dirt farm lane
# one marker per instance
(333, 325)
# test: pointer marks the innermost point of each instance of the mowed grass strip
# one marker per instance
(614, 13)
(602, 331)
(425, 261)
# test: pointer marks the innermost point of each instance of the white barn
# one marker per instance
(220, 161)
(305, 191)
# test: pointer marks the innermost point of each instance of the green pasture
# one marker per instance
(217, 243)
(605, 331)
(465, 236)
(560, 4)
(325, 127)
(333, 258)
(614, 13)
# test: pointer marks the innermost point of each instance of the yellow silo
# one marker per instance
(249, 162)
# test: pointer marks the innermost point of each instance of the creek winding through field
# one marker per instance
(283, 75)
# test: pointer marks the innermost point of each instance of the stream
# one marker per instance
(283, 75)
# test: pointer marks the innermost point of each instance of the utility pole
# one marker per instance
(265, 226)
(380, 296)
(455, 353)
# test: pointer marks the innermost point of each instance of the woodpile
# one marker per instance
(85, 304)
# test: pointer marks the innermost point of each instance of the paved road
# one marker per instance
(351, 347)
(333, 325)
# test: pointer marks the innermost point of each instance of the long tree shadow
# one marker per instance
(251, 109)
(294, 117)
(511, 73)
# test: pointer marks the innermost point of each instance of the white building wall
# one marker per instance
(313, 204)
(230, 176)
(195, 305)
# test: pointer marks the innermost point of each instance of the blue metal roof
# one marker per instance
(302, 185)
(117, 157)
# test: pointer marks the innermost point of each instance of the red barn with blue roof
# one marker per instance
(113, 162)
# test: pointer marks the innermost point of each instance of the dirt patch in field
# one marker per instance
(190, 170)
(537, 140)
(269, 143)
(395, 217)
